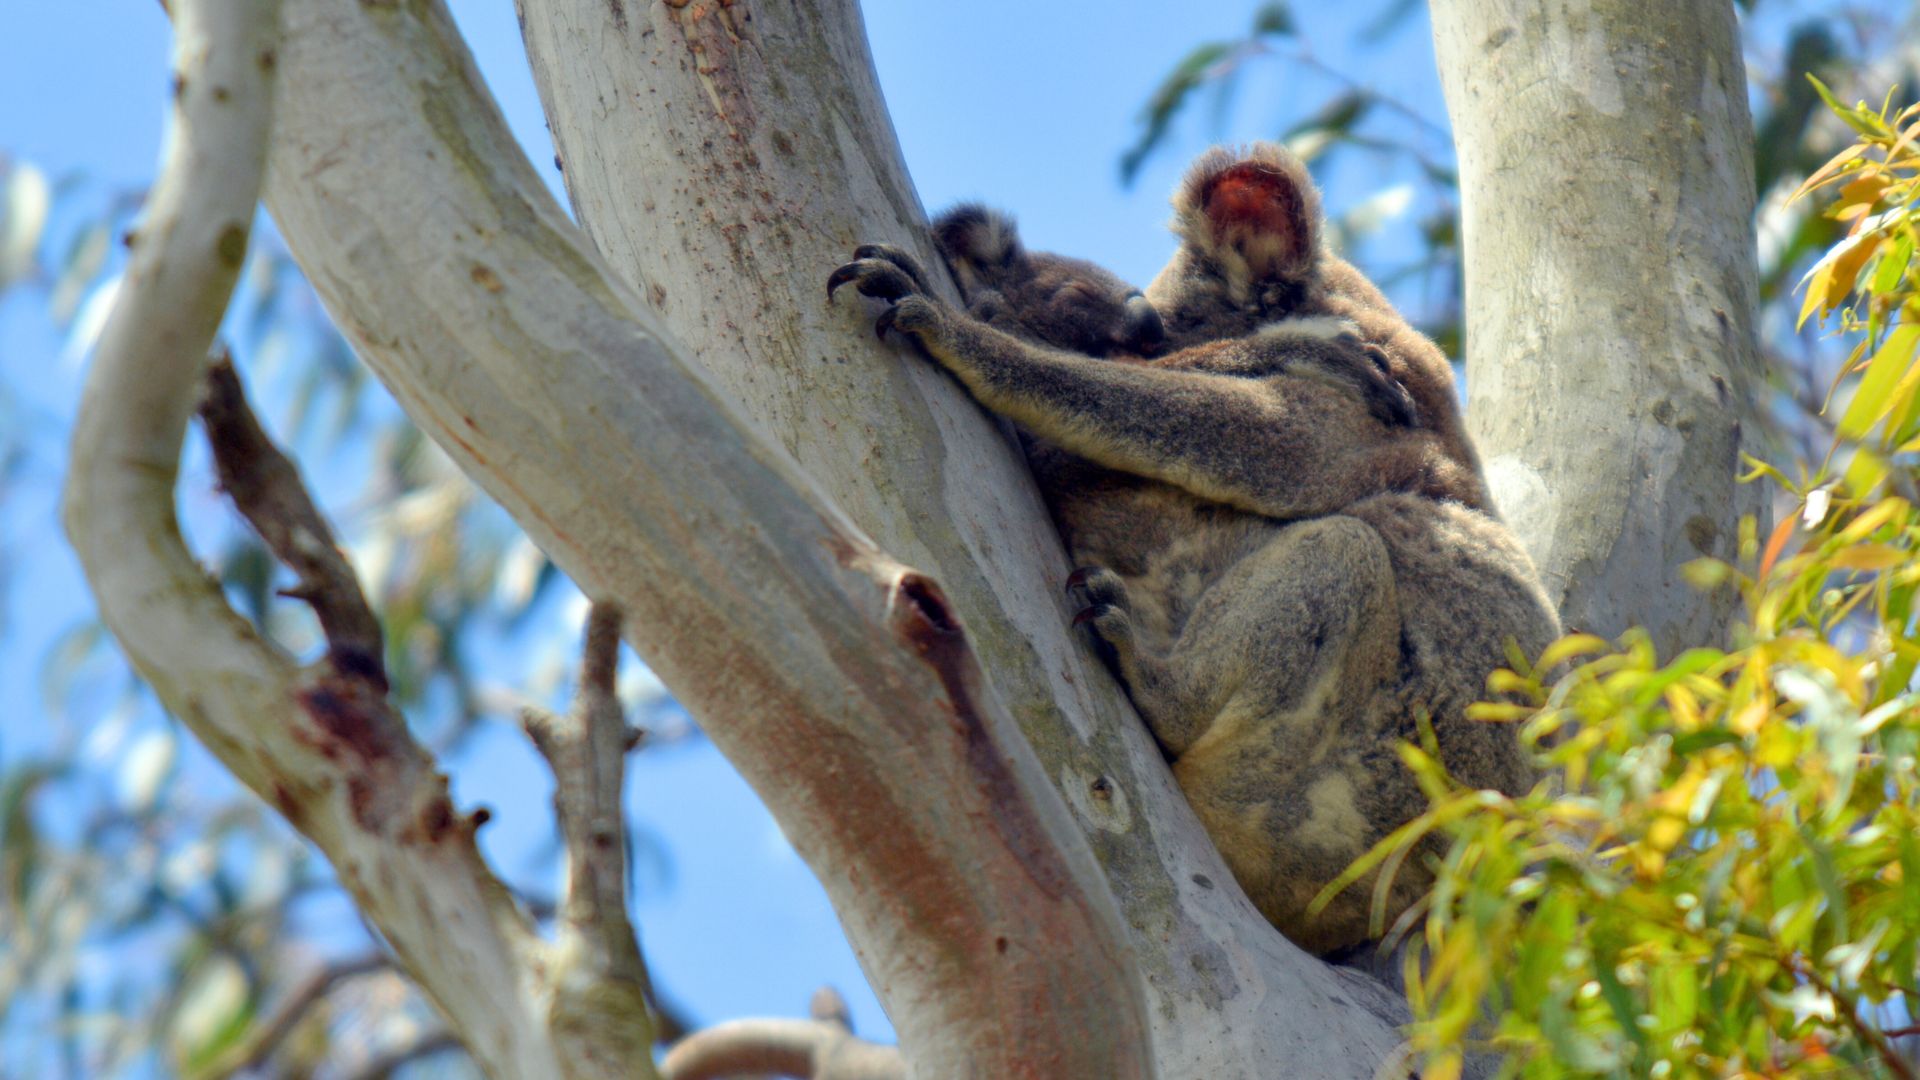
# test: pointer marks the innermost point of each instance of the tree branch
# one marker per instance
(320, 743)
(837, 679)
(823, 1048)
(270, 1033)
(388, 1062)
(600, 980)
(1606, 151)
(266, 489)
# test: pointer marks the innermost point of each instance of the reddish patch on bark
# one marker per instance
(713, 33)
(350, 715)
(478, 458)
(288, 805)
(360, 799)
(935, 633)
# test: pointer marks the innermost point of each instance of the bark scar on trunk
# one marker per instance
(927, 623)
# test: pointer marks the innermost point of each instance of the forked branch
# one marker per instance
(321, 742)
(600, 980)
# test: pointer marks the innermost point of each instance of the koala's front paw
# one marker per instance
(889, 274)
(1105, 609)
(1370, 368)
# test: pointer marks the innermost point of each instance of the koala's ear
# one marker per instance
(981, 246)
(1256, 209)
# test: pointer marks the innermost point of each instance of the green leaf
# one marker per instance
(1168, 99)
(1625, 1011)
(1874, 397)
(1693, 742)
(1336, 118)
(1274, 18)
(1828, 879)
(1857, 116)
(1893, 265)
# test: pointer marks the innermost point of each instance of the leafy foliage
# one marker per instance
(1720, 875)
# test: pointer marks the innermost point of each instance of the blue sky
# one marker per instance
(1025, 106)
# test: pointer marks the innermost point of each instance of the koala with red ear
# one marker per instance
(1298, 419)
(1288, 570)
(1251, 256)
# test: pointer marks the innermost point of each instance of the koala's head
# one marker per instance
(1051, 299)
(1250, 253)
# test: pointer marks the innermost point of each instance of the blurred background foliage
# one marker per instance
(154, 920)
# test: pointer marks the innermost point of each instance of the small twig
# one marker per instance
(387, 1063)
(822, 1048)
(267, 490)
(1305, 57)
(600, 976)
(1850, 1014)
(274, 1030)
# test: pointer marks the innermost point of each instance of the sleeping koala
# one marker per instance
(1284, 569)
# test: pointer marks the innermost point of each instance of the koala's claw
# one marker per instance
(1093, 614)
(885, 322)
(840, 277)
(1099, 586)
(878, 278)
(897, 257)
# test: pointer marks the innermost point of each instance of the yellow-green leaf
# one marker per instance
(1874, 398)
(1817, 282)
(1569, 647)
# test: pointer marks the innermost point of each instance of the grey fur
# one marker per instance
(1285, 569)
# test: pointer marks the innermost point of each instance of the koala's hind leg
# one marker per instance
(1273, 708)
(1151, 681)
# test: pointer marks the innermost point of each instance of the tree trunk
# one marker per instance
(1606, 179)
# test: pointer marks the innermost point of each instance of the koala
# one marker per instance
(1078, 307)
(1298, 419)
(1285, 580)
(1251, 253)
(1041, 297)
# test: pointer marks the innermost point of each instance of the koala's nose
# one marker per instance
(1142, 331)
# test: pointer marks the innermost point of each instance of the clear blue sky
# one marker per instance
(1024, 105)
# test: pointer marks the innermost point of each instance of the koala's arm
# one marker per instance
(1261, 436)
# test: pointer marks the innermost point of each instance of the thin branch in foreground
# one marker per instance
(273, 1031)
(266, 488)
(822, 1048)
(600, 978)
(388, 1062)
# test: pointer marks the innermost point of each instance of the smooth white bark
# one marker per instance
(1606, 178)
(835, 677)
